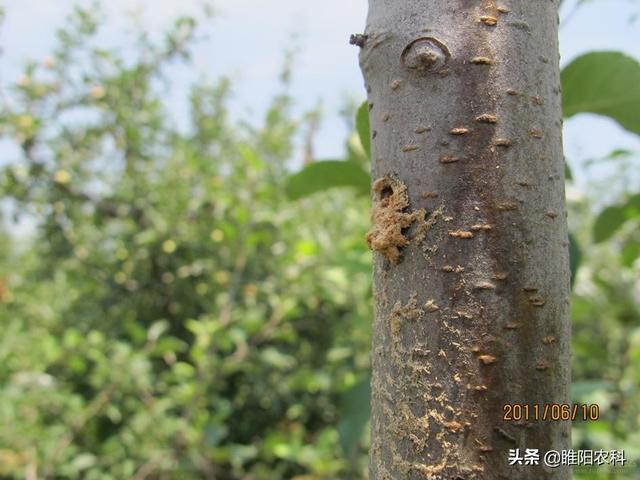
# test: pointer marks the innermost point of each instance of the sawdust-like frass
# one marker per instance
(390, 218)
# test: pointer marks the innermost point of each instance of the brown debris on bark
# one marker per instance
(390, 218)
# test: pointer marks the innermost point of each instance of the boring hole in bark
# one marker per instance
(386, 192)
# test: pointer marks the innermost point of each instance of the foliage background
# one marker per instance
(189, 306)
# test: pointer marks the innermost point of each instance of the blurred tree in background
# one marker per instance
(175, 316)
(187, 309)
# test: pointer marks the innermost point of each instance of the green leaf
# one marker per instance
(275, 358)
(633, 205)
(157, 329)
(567, 172)
(250, 156)
(580, 390)
(355, 151)
(605, 83)
(356, 410)
(630, 253)
(362, 126)
(322, 175)
(617, 154)
(614, 216)
(575, 257)
(83, 461)
(609, 220)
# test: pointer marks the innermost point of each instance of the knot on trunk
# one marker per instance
(425, 55)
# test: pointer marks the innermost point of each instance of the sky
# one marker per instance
(248, 38)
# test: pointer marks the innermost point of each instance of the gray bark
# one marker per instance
(469, 231)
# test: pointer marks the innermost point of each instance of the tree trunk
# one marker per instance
(469, 228)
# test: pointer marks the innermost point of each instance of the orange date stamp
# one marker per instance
(555, 412)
